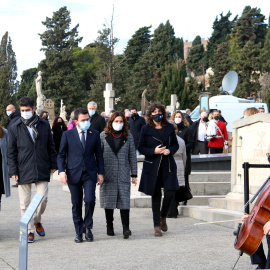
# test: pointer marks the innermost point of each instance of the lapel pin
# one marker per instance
(90, 131)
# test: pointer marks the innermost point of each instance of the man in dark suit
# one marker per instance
(97, 121)
(188, 117)
(84, 168)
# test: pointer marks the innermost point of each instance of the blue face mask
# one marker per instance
(9, 113)
(91, 112)
(85, 125)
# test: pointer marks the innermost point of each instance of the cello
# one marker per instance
(250, 233)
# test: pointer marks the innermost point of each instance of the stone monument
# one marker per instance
(144, 103)
(49, 107)
(109, 95)
(63, 113)
(41, 99)
(171, 108)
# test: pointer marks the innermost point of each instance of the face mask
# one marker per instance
(117, 127)
(9, 113)
(205, 119)
(60, 123)
(27, 115)
(216, 117)
(157, 117)
(134, 115)
(91, 112)
(177, 120)
(85, 125)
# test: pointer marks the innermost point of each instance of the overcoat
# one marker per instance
(31, 161)
(97, 122)
(180, 158)
(149, 140)
(6, 179)
(119, 165)
(135, 126)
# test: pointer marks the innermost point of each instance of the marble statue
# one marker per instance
(63, 113)
(144, 103)
(41, 99)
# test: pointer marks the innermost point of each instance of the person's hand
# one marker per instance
(134, 180)
(266, 228)
(159, 149)
(100, 179)
(166, 152)
(15, 178)
(244, 218)
(53, 170)
(63, 178)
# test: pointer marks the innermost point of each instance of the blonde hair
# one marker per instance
(250, 111)
(185, 121)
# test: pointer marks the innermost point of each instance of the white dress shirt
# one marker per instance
(201, 131)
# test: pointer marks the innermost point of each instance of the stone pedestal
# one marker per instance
(109, 95)
(171, 108)
(49, 107)
(251, 137)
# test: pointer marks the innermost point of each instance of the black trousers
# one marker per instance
(259, 256)
(124, 213)
(200, 147)
(156, 201)
(87, 186)
(216, 150)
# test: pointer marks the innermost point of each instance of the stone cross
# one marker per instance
(109, 95)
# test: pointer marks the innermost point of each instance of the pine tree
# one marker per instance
(222, 27)
(195, 59)
(163, 46)
(190, 99)
(59, 77)
(197, 41)
(8, 75)
(137, 45)
(221, 65)
(172, 82)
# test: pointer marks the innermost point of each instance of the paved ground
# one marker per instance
(184, 246)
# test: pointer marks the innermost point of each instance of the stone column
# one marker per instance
(109, 95)
(172, 107)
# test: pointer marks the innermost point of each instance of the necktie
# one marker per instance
(83, 140)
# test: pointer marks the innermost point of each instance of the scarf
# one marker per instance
(31, 123)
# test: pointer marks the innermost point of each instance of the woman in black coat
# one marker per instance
(186, 133)
(158, 144)
(58, 128)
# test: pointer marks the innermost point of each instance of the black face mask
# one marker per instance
(60, 123)
(216, 117)
(205, 119)
(157, 117)
(134, 115)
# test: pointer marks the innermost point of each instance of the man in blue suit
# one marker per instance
(81, 166)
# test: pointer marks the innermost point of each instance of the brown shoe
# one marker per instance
(163, 224)
(31, 238)
(158, 232)
(39, 229)
(16, 185)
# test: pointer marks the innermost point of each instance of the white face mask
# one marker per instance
(177, 120)
(117, 127)
(27, 115)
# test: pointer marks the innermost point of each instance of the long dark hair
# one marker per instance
(55, 123)
(150, 109)
(109, 128)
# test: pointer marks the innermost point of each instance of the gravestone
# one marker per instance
(109, 95)
(49, 107)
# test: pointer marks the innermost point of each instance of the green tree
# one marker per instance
(59, 76)
(191, 96)
(8, 75)
(222, 27)
(27, 79)
(195, 59)
(221, 65)
(163, 46)
(266, 51)
(172, 82)
(138, 45)
(197, 41)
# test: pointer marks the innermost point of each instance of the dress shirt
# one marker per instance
(201, 131)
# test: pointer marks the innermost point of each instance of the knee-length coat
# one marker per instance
(119, 166)
(149, 140)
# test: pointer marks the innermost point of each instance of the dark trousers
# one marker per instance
(200, 147)
(216, 150)
(156, 202)
(259, 256)
(87, 186)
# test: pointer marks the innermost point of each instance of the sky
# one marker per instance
(22, 19)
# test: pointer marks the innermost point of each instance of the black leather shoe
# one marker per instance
(126, 234)
(110, 230)
(88, 235)
(78, 238)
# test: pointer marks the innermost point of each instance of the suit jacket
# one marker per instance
(71, 151)
(97, 122)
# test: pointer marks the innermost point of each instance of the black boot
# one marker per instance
(109, 220)
(125, 222)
